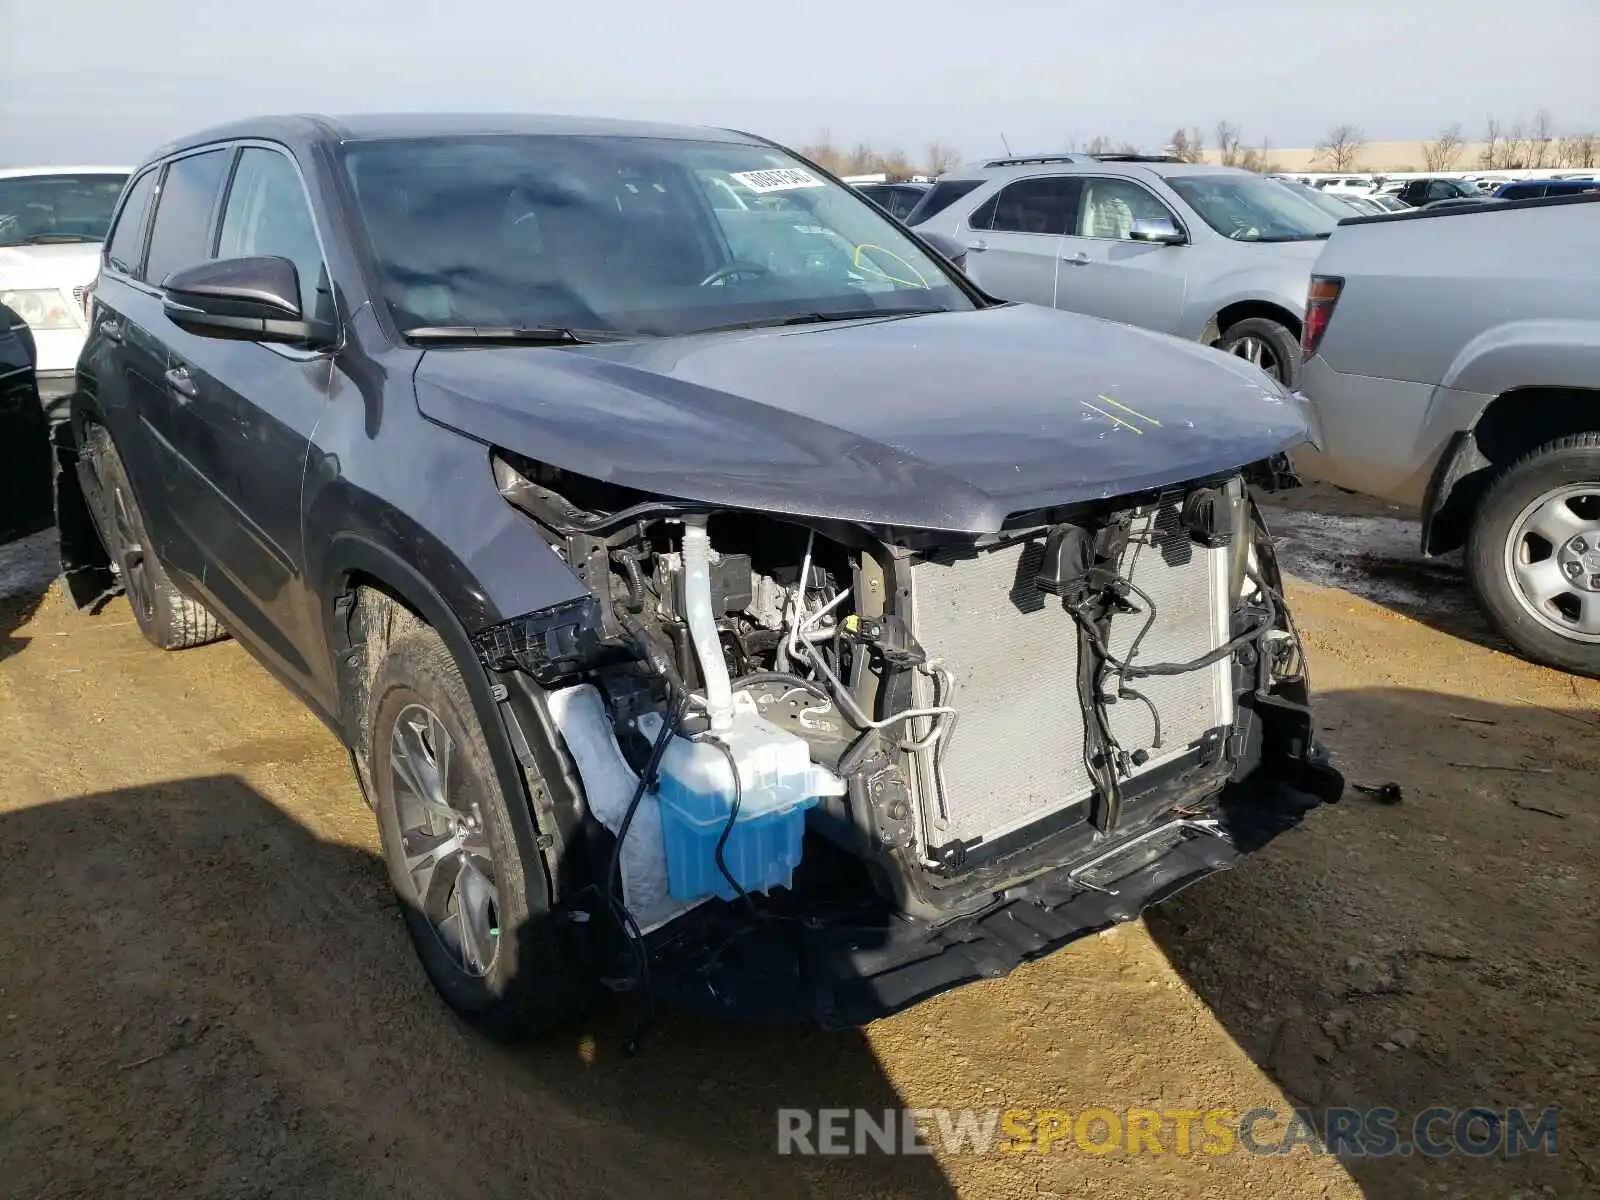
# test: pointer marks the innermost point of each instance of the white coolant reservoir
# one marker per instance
(777, 782)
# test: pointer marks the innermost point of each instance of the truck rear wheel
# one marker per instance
(474, 901)
(1533, 554)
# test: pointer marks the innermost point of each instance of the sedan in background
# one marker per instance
(52, 221)
(1537, 189)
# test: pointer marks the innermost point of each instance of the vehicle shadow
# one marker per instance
(199, 996)
(1436, 952)
(27, 567)
(1373, 550)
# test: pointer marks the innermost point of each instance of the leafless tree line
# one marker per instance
(1520, 144)
(866, 159)
(1535, 144)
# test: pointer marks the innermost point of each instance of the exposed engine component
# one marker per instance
(933, 711)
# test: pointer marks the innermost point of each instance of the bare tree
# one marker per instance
(1259, 158)
(824, 153)
(941, 157)
(1230, 143)
(1101, 144)
(862, 160)
(1541, 140)
(896, 164)
(1499, 146)
(1519, 145)
(1187, 144)
(1441, 153)
(1340, 147)
(1580, 150)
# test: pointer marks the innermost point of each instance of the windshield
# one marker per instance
(57, 208)
(1335, 206)
(625, 235)
(1248, 208)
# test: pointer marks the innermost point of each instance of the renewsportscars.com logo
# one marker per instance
(1349, 1132)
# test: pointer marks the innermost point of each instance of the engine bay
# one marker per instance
(952, 714)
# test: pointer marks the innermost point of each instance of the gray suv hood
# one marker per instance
(945, 422)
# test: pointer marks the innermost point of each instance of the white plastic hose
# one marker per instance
(703, 623)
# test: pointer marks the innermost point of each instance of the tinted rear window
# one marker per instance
(940, 197)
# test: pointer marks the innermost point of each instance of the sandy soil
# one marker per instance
(205, 988)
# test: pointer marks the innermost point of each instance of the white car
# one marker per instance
(1353, 186)
(52, 222)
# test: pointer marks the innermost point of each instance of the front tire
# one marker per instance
(472, 896)
(167, 618)
(1263, 341)
(1533, 554)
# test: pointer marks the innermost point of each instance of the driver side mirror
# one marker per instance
(242, 299)
(950, 248)
(1157, 229)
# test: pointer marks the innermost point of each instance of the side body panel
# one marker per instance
(1439, 315)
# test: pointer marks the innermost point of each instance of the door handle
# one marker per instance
(1080, 259)
(979, 245)
(111, 331)
(180, 381)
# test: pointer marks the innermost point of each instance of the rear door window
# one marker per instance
(125, 247)
(181, 236)
(1048, 206)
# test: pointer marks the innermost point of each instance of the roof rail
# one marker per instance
(1137, 158)
(1030, 160)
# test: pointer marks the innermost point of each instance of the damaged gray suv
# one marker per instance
(720, 597)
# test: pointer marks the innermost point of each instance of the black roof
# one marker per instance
(360, 127)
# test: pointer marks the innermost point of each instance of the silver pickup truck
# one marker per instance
(1452, 362)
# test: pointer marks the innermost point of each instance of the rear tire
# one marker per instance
(168, 618)
(1552, 615)
(1271, 346)
(474, 902)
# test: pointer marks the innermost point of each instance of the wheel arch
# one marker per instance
(1239, 310)
(361, 580)
(1513, 423)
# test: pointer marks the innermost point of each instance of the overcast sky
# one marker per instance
(107, 80)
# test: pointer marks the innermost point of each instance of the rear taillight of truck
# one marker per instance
(1320, 299)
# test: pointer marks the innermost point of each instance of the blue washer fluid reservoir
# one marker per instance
(777, 783)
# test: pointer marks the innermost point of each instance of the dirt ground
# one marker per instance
(205, 988)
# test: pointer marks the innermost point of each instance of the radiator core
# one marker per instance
(1016, 752)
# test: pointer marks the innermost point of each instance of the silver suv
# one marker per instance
(1213, 254)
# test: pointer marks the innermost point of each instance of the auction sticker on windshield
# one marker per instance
(777, 179)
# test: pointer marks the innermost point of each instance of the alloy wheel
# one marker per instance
(1552, 560)
(447, 854)
(1256, 350)
(131, 563)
